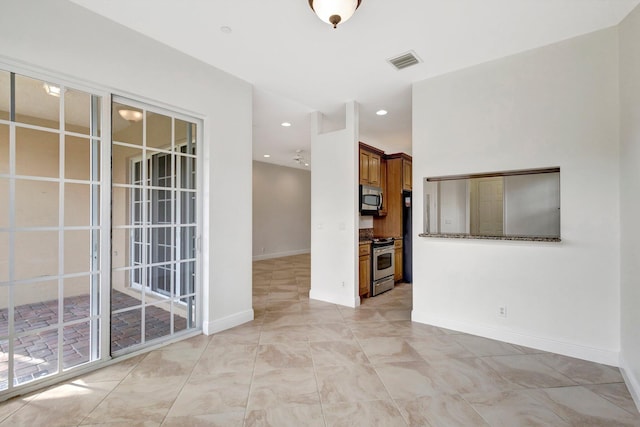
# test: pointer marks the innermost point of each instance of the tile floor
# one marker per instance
(38, 352)
(307, 363)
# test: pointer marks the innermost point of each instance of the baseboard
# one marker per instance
(333, 299)
(227, 322)
(281, 254)
(631, 380)
(591, 354)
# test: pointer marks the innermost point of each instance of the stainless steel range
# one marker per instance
(382, 265)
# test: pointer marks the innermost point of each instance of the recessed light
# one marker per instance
(285, 124)
(306, 164)
(226, 30)
(381, 112)
(266, 156)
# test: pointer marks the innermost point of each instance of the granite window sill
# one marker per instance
(470, 237)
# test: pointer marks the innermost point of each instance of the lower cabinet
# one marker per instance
(398, 273)
(365, 269)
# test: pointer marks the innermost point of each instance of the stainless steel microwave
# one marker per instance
(370, 200)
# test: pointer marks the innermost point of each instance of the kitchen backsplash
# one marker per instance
(366, 234)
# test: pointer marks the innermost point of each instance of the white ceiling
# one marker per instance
(299, 64)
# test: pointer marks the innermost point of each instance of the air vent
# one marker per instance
(405, 60)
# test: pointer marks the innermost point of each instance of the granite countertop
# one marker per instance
(470, 237)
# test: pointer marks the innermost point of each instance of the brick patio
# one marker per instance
(36, 355)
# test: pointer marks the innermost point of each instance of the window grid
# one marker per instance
(12, 286)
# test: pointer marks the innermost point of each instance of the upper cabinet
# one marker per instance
(397, 179)
(406, 174)
(370, 173)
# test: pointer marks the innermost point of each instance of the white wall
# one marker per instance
(552, 106)
(629, 31)
(71, 41)
(281, 211)
(334, 207)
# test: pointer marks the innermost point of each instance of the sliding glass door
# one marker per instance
(98, 228)
(154, 224)
(50, 228)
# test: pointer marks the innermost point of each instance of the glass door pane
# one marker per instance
(49, 229)
(154, 228)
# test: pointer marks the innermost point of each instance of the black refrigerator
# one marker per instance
(407, 242)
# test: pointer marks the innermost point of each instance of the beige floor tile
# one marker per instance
(295, 416)
(486, 347)
(395, 313)
(62, 405)
(328, 331)
(166, 363)
(296, 354)
(225, 357)
(441, 410)
(351, 315)
(381, 413)
(10, 406)
(581, 371)
(515, 409)
(363, 330)
(471, 376)
(388, 349)
(125, 424)
(349, 384)
(527, 371)
(287, 333)
(218, 393)
(229, 419)
(243, 334)
(116, 372)
(193, 344)
(616, 393)
(283, 387)
(582, 407)
(438, 347)
(134, 400)
(410, 380)
(337, 353)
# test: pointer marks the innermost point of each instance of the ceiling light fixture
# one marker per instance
(130, 115)
(285, 124)
(334, 11)
(299, 158)
(52, 90)
(381, 112)
(266, 156)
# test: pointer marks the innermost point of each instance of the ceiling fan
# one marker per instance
(300, 159)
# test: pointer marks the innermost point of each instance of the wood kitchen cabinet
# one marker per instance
(406, 174)
(398, 178)
(370, 165)
(365, 269)
(398, 273)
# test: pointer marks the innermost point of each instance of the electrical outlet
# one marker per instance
(343, 284)
(502, 311)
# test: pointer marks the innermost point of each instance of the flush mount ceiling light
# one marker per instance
(52, 90)
(266, 156)
(381, 112)
(285, 124)
(130, 115)
(334, 11)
